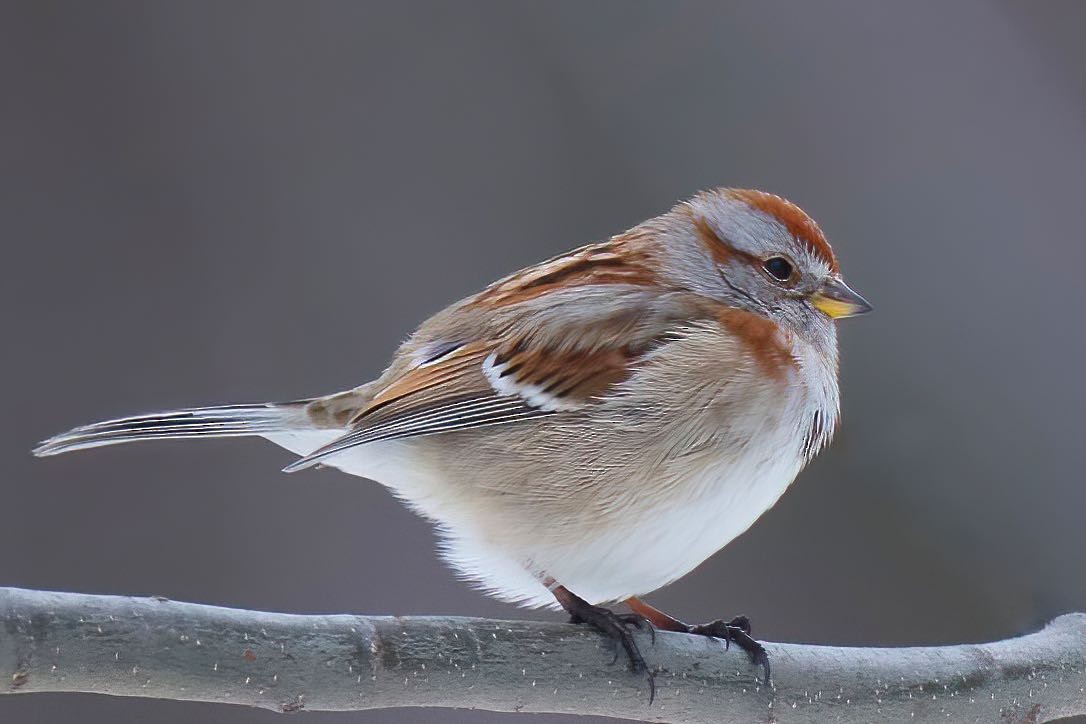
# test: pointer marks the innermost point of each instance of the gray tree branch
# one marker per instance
(149, 647)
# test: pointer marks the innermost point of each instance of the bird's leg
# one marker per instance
(736, 630)
(615, 626)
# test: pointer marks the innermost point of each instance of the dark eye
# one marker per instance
(779, 268)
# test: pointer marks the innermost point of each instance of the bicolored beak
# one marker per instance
(836, 300)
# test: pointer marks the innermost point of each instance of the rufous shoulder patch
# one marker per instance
(554, 380)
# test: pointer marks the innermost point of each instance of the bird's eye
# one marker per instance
(779, 268)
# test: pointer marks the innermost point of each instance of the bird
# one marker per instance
(589, 429)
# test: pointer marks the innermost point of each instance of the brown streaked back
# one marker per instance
(616, 261)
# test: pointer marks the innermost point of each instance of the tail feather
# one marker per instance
(222, 421)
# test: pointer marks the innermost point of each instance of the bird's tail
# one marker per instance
(265, 419)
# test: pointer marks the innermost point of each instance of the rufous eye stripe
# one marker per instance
(720, 250)
(791, 217)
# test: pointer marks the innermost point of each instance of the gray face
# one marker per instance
(757, 264)
(778, 283)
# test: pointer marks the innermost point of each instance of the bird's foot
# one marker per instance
(615, 626)
(736, 631)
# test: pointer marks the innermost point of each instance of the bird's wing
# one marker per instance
(511, 370)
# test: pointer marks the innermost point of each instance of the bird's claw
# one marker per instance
(617, 627)
(737, 630)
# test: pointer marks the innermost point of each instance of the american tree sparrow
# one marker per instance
(591, 428)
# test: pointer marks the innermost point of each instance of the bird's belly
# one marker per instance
(648, 535)
(655, 540)
(665, 542)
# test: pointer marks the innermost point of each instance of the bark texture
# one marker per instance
(149, 647)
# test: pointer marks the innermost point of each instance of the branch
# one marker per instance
(155, 648)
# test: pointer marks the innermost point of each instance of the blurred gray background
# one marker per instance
(207, 202)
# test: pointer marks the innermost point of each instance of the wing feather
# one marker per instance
(505, 369)
(469, 389)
